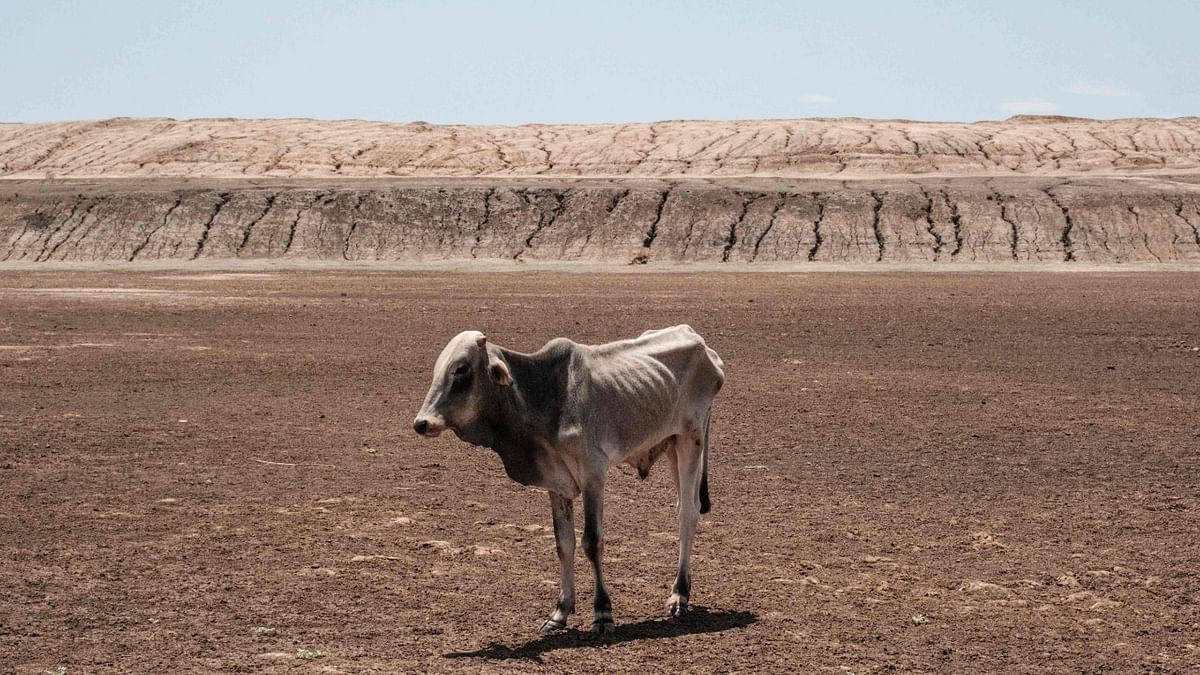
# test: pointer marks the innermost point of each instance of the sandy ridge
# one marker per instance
(841, 148)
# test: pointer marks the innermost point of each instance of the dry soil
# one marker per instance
(212, 471)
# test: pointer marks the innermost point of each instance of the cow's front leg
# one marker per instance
(563, 510)
(593, 546)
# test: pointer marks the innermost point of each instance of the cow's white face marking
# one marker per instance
(453, 400)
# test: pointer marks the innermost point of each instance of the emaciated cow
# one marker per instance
(560, 417)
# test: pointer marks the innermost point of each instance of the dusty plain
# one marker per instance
(972, 472)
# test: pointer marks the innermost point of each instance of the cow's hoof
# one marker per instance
(603, 627)
(551, 626)
(677, 606)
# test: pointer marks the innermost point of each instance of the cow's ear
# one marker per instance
(498, 370)
(481, 340)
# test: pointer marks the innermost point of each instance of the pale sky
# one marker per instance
(605, 61)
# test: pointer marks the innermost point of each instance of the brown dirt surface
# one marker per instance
(211, 471)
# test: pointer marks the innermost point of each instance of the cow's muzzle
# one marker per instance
(428, 426)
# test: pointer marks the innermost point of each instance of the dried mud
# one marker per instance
(910, 473)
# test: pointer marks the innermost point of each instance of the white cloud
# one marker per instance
(1035, 106)
(820, 99)
(1104, 89)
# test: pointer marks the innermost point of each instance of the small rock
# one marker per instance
(403, 521)
(1068, 580)
(1104, 603)
(1008, 602)
(317, 571)
(168, 500)
(975, 586)
(982, 539)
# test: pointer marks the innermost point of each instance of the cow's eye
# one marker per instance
(461, 369)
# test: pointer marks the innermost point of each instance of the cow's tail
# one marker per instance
(705, 504)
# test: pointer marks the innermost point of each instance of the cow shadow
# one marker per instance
(699, 620)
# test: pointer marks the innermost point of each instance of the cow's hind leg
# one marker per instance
(563, 510)
(593, 546)
(688, 464)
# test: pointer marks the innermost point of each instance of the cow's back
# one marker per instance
(683, 350)
(643, 388)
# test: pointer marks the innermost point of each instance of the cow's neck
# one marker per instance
(538, 389)
(518, 419)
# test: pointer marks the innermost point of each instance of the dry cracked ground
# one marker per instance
(845, 190)
(970, 472)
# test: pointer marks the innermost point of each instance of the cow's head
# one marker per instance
(463, 376)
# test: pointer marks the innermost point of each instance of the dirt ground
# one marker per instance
(957, 472)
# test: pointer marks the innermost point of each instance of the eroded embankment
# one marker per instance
(1098, 220)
